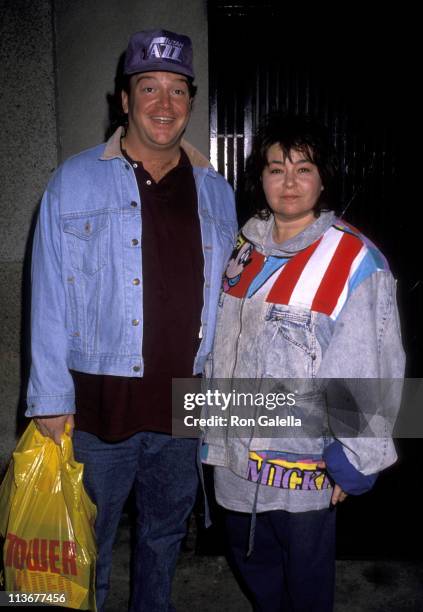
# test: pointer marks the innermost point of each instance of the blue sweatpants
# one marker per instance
(292, 566)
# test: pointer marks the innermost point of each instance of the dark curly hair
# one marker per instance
(299, 132)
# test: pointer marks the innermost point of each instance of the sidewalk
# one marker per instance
(205, 584)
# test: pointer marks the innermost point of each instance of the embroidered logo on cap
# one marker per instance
(165, 48)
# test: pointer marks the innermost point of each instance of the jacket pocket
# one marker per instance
(295, 327)
(290, 346)
(87, 241)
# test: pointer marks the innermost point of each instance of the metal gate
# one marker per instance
(266, 57)
(263, 60)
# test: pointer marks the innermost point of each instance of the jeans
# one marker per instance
(164, 474)
(292, 566)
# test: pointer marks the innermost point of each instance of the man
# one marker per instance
(127, 264)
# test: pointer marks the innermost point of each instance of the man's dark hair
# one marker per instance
(292, 132)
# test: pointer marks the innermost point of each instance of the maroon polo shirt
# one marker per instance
(115, 407)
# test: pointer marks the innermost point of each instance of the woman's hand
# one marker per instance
(338, 495)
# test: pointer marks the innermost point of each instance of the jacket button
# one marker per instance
(134, 204)
(135, 322)
(136, 368)
(134, 241)
(136, 281)
(314, 356)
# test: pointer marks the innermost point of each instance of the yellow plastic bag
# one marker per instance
(47, 522)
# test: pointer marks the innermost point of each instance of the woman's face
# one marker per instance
(291, 186)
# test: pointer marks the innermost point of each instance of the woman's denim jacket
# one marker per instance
(359, 346)
(86, 312)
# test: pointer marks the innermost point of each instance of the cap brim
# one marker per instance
(160, 67)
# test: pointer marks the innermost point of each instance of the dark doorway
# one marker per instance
(345, 70)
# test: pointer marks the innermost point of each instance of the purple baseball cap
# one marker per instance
(159, 50)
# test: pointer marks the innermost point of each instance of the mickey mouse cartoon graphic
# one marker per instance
(240, 258)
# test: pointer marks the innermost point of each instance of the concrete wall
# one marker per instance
(58, 60)
(91, 36)
(28, 155)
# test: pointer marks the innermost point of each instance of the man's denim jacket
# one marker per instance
(86, 311)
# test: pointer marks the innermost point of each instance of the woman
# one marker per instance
(305, 296)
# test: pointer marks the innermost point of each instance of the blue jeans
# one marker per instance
(164, 474)
(292, 566)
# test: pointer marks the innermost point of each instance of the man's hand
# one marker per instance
(54, 426)
(338, 495)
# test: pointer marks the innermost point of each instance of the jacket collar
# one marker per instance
(259, 232)
(197, 159)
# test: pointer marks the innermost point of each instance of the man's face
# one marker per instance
(158, 108)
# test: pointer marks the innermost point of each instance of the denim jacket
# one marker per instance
(321, 306)
(86, 312)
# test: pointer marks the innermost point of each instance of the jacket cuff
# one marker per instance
(351, 480)
(50, 405)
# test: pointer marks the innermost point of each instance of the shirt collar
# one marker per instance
(113, 150)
